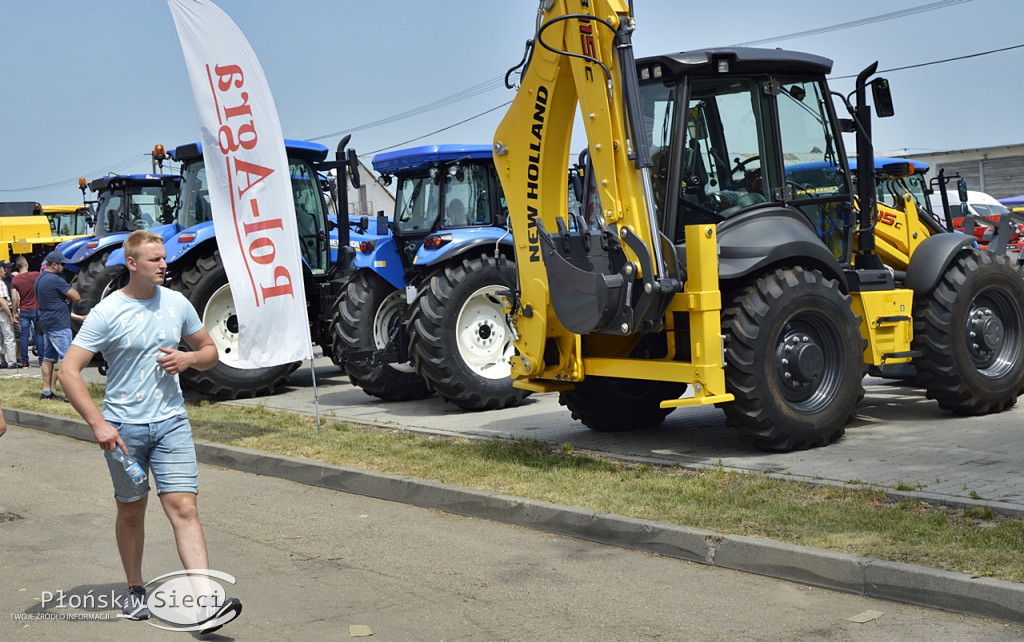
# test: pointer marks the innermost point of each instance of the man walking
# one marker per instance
(139, 329)
(54, 297)
(25, 285)
(8, 319)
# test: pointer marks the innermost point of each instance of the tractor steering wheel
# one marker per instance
(749, 175)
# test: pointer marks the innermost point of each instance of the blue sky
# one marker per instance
(90, 87)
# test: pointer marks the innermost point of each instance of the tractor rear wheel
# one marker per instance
(90, 282)
(794, 360)
(459, 337)
(613, 404)
(971, 333)
(205, 285)
(367, 316)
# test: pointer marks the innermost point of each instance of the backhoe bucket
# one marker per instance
(583, 300)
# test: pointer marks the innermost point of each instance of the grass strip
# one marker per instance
(858, 520)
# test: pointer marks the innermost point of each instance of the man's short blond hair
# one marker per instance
(137, 239)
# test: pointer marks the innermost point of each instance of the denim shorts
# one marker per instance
(164, 448)
(56, 344)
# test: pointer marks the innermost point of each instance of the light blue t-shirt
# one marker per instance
(129, 333)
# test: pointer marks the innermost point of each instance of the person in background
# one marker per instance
(55, 297)
(24, 283)
(8, 273)
(8, 319)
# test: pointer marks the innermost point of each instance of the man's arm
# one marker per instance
(202, 357)
(72, 296)
(5, 307)
(70, 377)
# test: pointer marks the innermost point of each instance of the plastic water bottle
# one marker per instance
(131, 466)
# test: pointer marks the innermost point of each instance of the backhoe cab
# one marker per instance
(727, 256)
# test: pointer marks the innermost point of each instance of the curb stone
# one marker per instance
(893, 581)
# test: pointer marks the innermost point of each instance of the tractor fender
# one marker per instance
(116, 257)
(777, 236)
(102, 243)
(182, 243)
(384, 259)
(72, 247)
(931, 259)
(465, 239)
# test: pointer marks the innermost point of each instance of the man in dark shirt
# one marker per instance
(55, 298)
(24, 283)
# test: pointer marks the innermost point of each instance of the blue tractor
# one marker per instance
(195, 269)
(424, 310)
(123, 204)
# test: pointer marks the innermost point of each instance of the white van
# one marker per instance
(978, 203)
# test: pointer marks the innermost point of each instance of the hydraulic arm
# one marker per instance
(591, 291)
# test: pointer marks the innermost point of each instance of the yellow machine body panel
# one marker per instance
(898, 232)
(886, 324)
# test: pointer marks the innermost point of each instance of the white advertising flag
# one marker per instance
(250, 185)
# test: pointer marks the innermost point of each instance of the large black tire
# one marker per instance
(205, 285)
(794, 360)
(364, 316)
(459, 337)
(970, 332)
(612, 404)
(91, 280)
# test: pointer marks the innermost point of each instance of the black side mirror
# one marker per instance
(961, 188)
(882, 97)
(353, 168)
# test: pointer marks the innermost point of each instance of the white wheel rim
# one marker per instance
(389, 308)
(220, 321)
(483, 336)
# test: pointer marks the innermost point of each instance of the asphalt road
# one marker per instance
(900, 440)
(316, 564)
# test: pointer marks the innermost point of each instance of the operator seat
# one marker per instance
(455, 213)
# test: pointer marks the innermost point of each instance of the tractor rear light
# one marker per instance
(91, 245)
(366, 246)
(434, 241)
(187, 237)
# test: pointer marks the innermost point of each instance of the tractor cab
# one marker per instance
(440, 187)
(742, 134)
(133, 202)
(310, 208)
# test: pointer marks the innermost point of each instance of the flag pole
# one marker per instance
(316, 394)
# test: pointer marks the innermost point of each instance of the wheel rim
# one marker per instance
(388, 315)
(483, 336)
(116, 281)
(221, 322)
(809, 357)
(993, 333)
